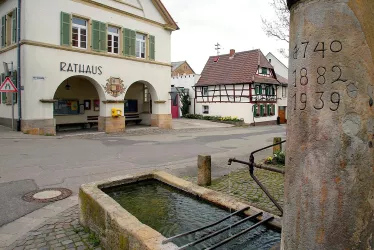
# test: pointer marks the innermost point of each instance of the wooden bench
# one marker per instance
(93, 120)
(132, 118)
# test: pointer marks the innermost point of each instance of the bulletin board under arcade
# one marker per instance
(74, 107)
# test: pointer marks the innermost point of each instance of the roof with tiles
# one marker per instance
(240, 68)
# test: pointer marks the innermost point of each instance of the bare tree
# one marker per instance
(280, 27)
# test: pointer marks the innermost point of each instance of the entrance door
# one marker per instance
(282, 114)
(175, 107)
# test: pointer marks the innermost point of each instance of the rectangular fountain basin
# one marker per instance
(140, 211)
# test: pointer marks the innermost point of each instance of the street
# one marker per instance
(67, 161)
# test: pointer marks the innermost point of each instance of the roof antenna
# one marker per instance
(218, 48)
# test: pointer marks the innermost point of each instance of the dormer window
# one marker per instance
(264, 71)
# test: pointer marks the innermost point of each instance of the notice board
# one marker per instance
(66, 107)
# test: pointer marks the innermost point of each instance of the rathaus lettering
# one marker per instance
(80, 68)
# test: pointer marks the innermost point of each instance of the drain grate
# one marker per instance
(47, 195)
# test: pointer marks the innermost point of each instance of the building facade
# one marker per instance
(86, 62)
(242, 85)
(181, 68)
(282, 75)
(187, 83)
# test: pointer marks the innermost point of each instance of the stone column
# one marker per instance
(204, 175)
(329, 182)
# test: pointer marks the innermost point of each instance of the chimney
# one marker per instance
(232, 52)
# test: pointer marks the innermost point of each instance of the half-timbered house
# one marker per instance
(242, 85)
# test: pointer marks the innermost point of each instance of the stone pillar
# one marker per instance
(161, 120)
(112, 124)
(329, 181)
(277, 148)
(204, 175)
(39, 127)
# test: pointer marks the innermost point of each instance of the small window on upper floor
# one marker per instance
(205, 91)
(264, 71)
(140, 49)
(79, 33)
(269, 60)
(8, 29)
(113, 39)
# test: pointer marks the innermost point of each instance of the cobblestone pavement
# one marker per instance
(240, 185)
(61, 232)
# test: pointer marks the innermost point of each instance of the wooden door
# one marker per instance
(282, 114)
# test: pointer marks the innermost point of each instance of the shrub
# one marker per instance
(280, 157)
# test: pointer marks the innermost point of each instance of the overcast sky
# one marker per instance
(235, 24)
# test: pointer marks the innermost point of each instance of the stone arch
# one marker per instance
(139, 97)
(78, 101)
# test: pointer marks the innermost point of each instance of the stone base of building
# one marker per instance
(264, 123)
(162, 121)
(112, 124)
(7, 122)
(39, 127)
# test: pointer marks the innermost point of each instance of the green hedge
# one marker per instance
(213, 118)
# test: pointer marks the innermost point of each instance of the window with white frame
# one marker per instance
(205, 91)
(140, 45)
(79, 31)
(205, 109)
(113, 39)
(284, 92)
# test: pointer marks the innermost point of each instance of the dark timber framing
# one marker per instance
(236, 93)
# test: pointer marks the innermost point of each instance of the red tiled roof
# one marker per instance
(239, 69)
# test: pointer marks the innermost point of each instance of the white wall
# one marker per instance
(47, 28)
(187, 81)
(279, 67)
(240, 110)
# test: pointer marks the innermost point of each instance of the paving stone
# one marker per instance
(67, 242)
(79, 243)
(60, 236)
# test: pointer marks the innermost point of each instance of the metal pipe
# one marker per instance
(202, 228)
(280, 171)
(19, 67)
(239, 234)
(268, 147)
(219, 231)
(266, 192)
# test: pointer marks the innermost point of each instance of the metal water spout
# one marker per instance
(329, 181)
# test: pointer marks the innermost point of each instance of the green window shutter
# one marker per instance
(14, 24)
(103, 37)
(260, 90)
(257, 90)
(261, 110)
(3, 31)
(99, 36)
(65, 29)
(152, 48)
(267, 90)
(133, 42)
(3, 95)
(14, 79)
(264, 71)
(95, 35)
(269, 109)
(126, 42)
(255, 110)
(273, 109)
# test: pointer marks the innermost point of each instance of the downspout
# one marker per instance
(19, 67)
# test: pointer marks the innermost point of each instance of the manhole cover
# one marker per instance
(47, 195)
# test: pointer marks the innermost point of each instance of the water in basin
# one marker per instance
(171, 211)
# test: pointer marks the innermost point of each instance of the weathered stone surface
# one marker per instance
(329, 187)
(163, 121)
(111, 124)
(204, 174)
(39, 127)
(277, 148)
